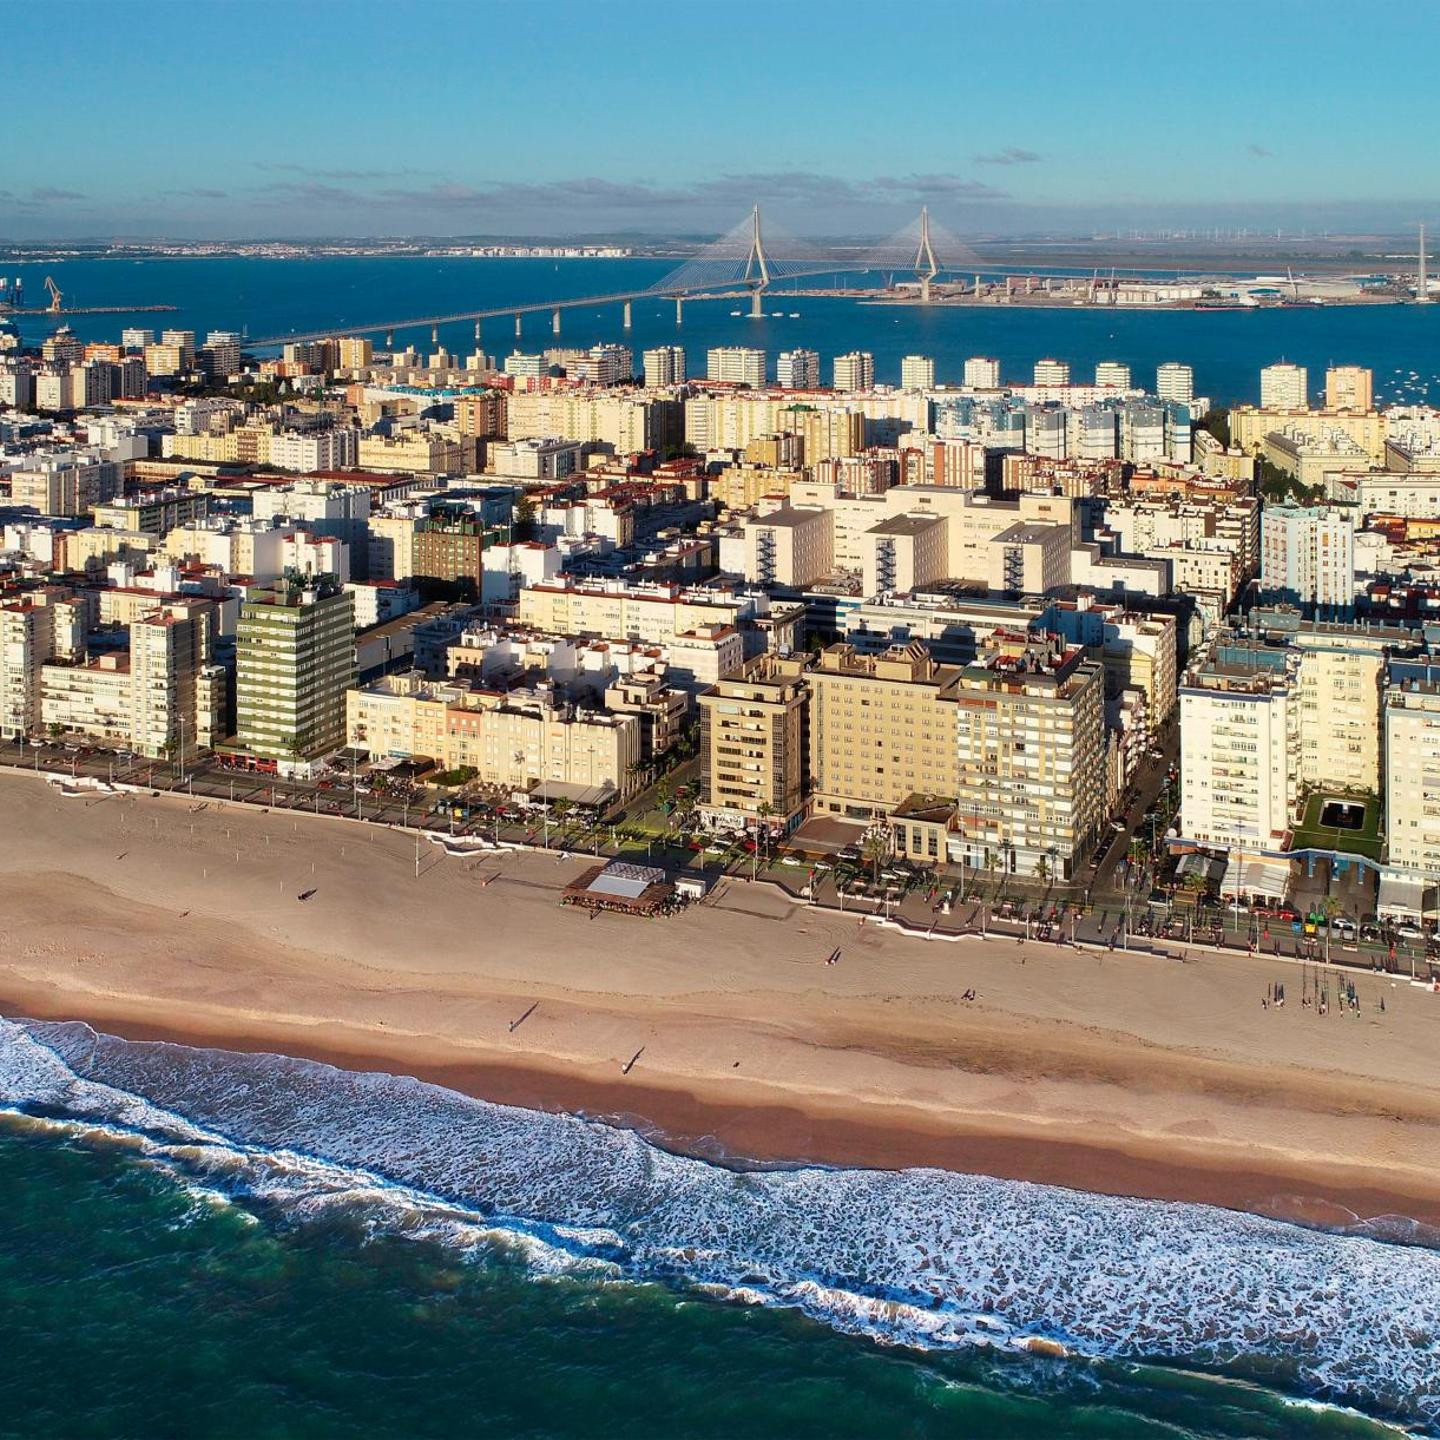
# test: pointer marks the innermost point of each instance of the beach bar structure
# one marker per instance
(630, 889)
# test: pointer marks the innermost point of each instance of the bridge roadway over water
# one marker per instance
(432, 322)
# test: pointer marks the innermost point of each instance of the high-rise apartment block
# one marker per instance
(982, 373)
(295, 659)
(1349, 387)
(917, 372)
(736, 365)
(1284, 387)
(665, 365)
(754, 731)
(1052, 372)
(1307, 557)
(1174, 381)
(855, 370)
(1112, 374)
(798, 370)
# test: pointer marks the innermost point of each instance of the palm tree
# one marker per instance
(1042, 869)
(875, 846)
(1330, 908)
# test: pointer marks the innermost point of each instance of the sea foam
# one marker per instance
(918, 1257)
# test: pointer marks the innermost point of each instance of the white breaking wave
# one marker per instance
(919, 1257)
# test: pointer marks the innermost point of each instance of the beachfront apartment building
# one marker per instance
(1240, 739)
(515, 739)
(1412, 768)
(1174, 381)
(1112, 375)
(40, 625)
(1349, 387)
(754, 746)
(664, 365)
(164, 696)
(881, 730)
(917, 372)
(295, 659)
(1031, 756)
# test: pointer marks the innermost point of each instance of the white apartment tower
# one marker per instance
(664, 365)
(855, 370)
(798, 370)
(1112, 375)
(1284, 387)
(1174, 381)
(1052, 372)
(917, 372)
(736, 365)
(982, 373)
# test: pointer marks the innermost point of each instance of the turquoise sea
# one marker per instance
(272, 297)
(197, 1243)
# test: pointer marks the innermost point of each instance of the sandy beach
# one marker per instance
(1125, 1074)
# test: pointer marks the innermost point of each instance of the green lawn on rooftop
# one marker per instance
(1310, 834)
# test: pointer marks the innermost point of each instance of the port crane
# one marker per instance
(55, 296)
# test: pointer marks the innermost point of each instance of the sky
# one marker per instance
(583, 117)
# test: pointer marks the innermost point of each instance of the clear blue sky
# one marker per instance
(212, 118)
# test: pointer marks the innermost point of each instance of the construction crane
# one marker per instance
(55, 296)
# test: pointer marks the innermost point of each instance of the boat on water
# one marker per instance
(794, 314)
(735, 312)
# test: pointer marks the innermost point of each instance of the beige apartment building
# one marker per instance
(622, 612)
(793, 546)
(40, 626)
(742, 487)
(1031, 756)
(1250, 425)
(165, 693)
(417, 453)
(754, 742)
(516, 739)
(1340, 681)
(1349, 387)
(881, 729)
(1412, 769)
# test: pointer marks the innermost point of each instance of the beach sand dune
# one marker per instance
(1127, 1074)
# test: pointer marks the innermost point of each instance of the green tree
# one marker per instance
(875, 846)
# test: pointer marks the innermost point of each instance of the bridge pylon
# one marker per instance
(757, 267)
(925, 266)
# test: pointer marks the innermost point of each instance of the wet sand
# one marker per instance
(1124, 1074)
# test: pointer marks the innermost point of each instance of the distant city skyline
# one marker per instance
(558, 119)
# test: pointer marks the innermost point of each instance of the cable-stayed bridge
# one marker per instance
(749, 259)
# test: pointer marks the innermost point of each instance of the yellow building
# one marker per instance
(881, 730)
(754, 733)
(1250, 425)
(1349, 387)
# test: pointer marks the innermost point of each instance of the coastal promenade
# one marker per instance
(252, 928)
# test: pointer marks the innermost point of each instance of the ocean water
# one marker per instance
(203, 1243)
(272, 297)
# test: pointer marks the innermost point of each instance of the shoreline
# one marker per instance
(770, 1133)
(1139, 1076)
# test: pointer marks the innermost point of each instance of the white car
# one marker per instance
(1408, 931)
